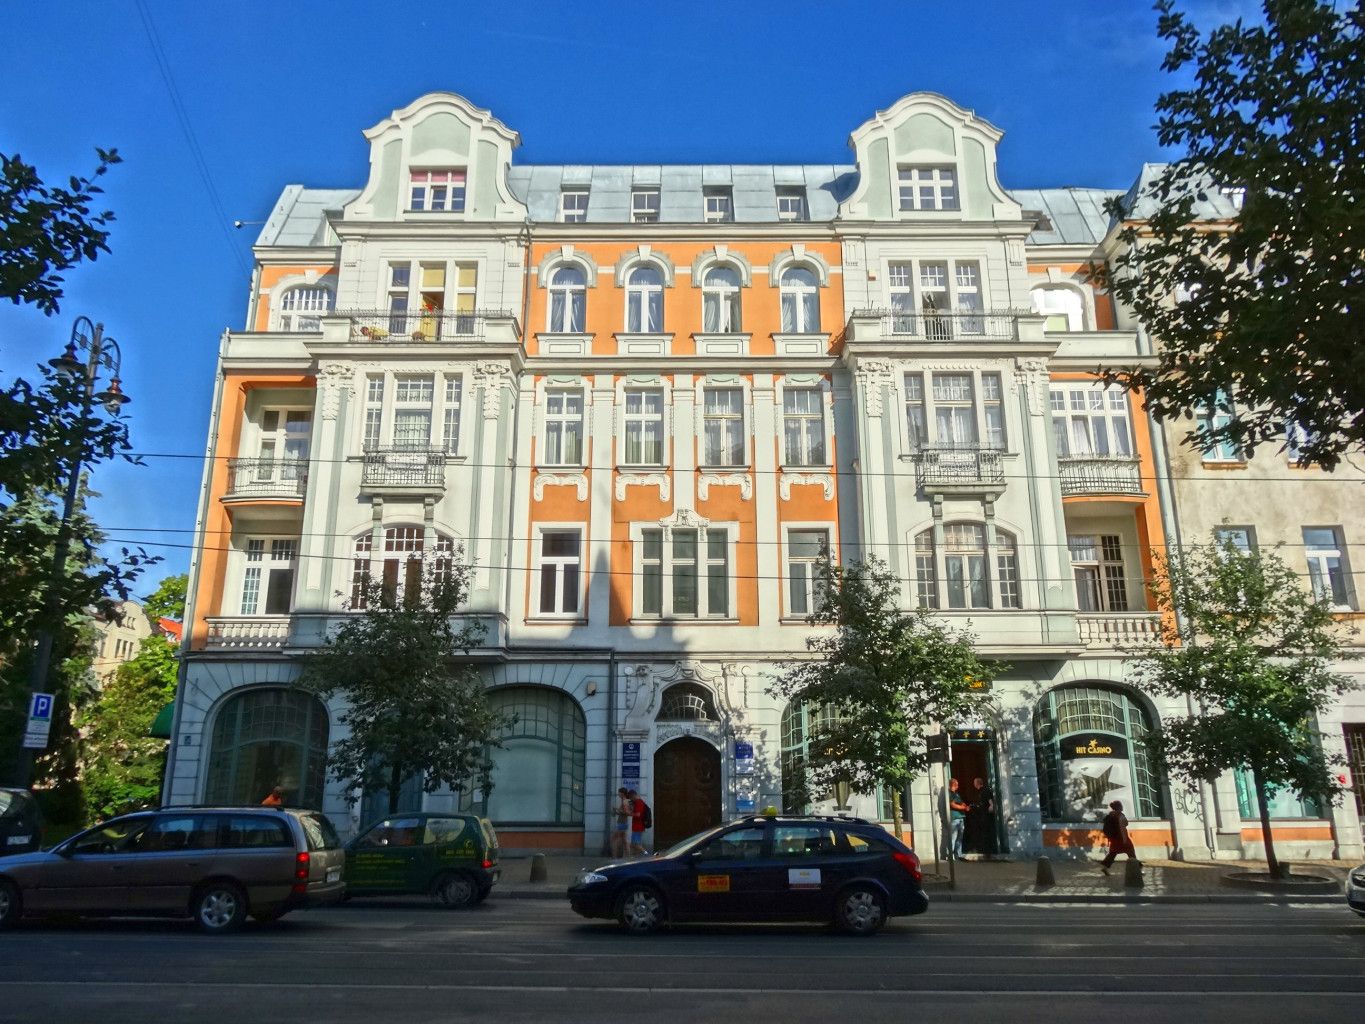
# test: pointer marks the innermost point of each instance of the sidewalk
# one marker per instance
(1004, 880)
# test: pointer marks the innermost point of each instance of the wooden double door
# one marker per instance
(687, 798)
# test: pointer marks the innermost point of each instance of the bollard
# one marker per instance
(538, 869)
(1132, 874)
(1045, 875)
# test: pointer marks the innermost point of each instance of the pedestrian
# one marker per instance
(981, 830)
(957, 808)
(275, 798)
(640, 819)
(1115, 829)
(621, 811)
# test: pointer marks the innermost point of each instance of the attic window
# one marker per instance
(573, 205)
(438, 191)
(720, 205)
(791, 203)
(928, 188)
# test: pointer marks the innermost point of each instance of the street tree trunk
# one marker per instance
(1263, 804)
(896, 811)
(395, 786)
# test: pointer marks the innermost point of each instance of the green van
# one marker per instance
(453, 857)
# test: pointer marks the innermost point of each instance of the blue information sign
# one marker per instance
(744, 805)
(630, 752)
(629, 772)
(744, 750)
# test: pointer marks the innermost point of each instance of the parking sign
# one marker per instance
(39, 721)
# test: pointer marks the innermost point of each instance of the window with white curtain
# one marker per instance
(1062, 307)
(955, 408)
(644, 300)
(1097, 565)
(720, 301)
(964, 564)
(916, 422)
(563, 427)
(803, 426)
(644, 418)
(800, 292)
(957, 573)
(1327, 572)
(300, 308)
(412, 400)
(723, 427)
(1091, 419)
(568, 300)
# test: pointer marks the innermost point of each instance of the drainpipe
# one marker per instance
(608, 775)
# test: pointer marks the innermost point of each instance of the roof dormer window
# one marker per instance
(791, 203)
(438, 191)
(719, 205)
(928, 188)
(573, 205)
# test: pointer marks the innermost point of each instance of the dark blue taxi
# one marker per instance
(844, 871)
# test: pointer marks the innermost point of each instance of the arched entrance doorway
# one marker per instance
(686, 790)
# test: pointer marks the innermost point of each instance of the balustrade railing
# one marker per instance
(959, 464)
(1099, 474)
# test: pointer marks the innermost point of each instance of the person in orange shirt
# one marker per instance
(275, 798)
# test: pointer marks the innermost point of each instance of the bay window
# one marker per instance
(1091, 419)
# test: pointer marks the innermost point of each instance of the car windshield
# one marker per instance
(109, 838)
(689, 842)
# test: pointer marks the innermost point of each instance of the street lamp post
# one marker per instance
(101, 353)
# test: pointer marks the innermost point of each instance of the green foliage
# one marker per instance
(882, 675)
(1273, 314)
(122, 765)
(46, 229)
(414, 705)
(1255, 658)
(167, 601)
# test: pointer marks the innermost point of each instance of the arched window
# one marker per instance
(958, 573)
(568, 300)
(539, 771)
(264, 738)
(300, 308)
(687, 702)
(1062, 307)
(800, 301)
(399, 566)
(1091, 750)
(644, 300)
(720, 302)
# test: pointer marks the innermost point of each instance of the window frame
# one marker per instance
(456, 189)
(645, 300)
(805, 300)
(1116, 417)
(1108, 589)
(797, 208)
(292, 320)
(910, 295)
(927, 406)
(647, 212)
(718, 204)
(999, 555)
(256, 558)
(561, 567)
(1075, 319)
(549, 418)
(571, 298)
(641, 419)
(1342, 600)
(739, 420)
(1213, 415)
(435, 547)
(727, 299)
(819, 419)
(912, 182)
(666, 536)
(809, 563)
(579, 212)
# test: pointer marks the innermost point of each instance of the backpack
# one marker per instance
(647, 817)
(1110, 828)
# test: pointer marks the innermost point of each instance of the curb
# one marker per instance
(1061, 897)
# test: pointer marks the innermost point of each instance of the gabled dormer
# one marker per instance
(927, 159)
(440, 158)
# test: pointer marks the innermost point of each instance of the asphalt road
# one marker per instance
(533, 960)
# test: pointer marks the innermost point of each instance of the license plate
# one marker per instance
(334, 874)
(19, 840)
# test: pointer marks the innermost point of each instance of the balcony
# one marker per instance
(1099, 474)
(248, 633)
(960, 469)
(440, 327)
(403, 470)
(991, 327)
(266, 480)
(1118, 629)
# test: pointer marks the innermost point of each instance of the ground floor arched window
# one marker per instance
(1091, 750)
(539, 772)
(268, 737)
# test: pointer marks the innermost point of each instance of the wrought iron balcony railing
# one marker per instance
(1099, 474)
(404, 467)
(266, 478)
(437, 325)
(959, 465)
(933, 325)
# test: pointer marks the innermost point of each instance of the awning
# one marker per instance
(161, 724)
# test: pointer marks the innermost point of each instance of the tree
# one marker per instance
(881, 676)
(46, 229)
(121, 763)
(167, 601)
(414, 704)
(1252, 649)
(1266, 300)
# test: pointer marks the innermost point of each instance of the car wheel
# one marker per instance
(10, 905)
(860, 911)
(640, 909)
(456, 891)
(219, 907)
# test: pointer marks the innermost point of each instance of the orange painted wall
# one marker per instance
(273, 275)
(1076, 273)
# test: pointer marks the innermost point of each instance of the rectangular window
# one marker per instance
(438, 191)
(412, 401)
(1091, 420)
(400, 282)
(696, 564)
(719, 205)
(268, 579)
(1323, 548)
(573, 205)
(967, 277)
(927, 188)
(723, 427)
(900, 285)
(955, 409)
(251, 577)
(917, 426)
(804, 551)
(563, 427)
(1296, 438)
(791, 203)
(964, 565)
(450, 416)
(1243, 538)
(1097, 566)
(926, 571)
(1213, 416)
(993, 406)
(1007, 570)
(934, 301)
(465, 298)
(644, 427)
(283, 450)
(803, 425)
(644, 205)
(561, 562)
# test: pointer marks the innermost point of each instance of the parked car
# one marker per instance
(21, 822)
(453, 857)
(841, 870)
(1355, 890)
(215, 864)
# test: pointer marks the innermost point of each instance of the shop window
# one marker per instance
(1282, 803)
(263, 738)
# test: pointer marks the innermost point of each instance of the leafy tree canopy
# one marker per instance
(1262, 305)
(167, 601)
(1255, 656)
(414, 705)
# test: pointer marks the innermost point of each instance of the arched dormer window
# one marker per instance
(720, 301)
(800, 290)
(958, 573)
(645, 300)
(1062, 307)
(299, 308)
(568, 300)
(687, 702)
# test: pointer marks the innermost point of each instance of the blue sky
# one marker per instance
(279, 92)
